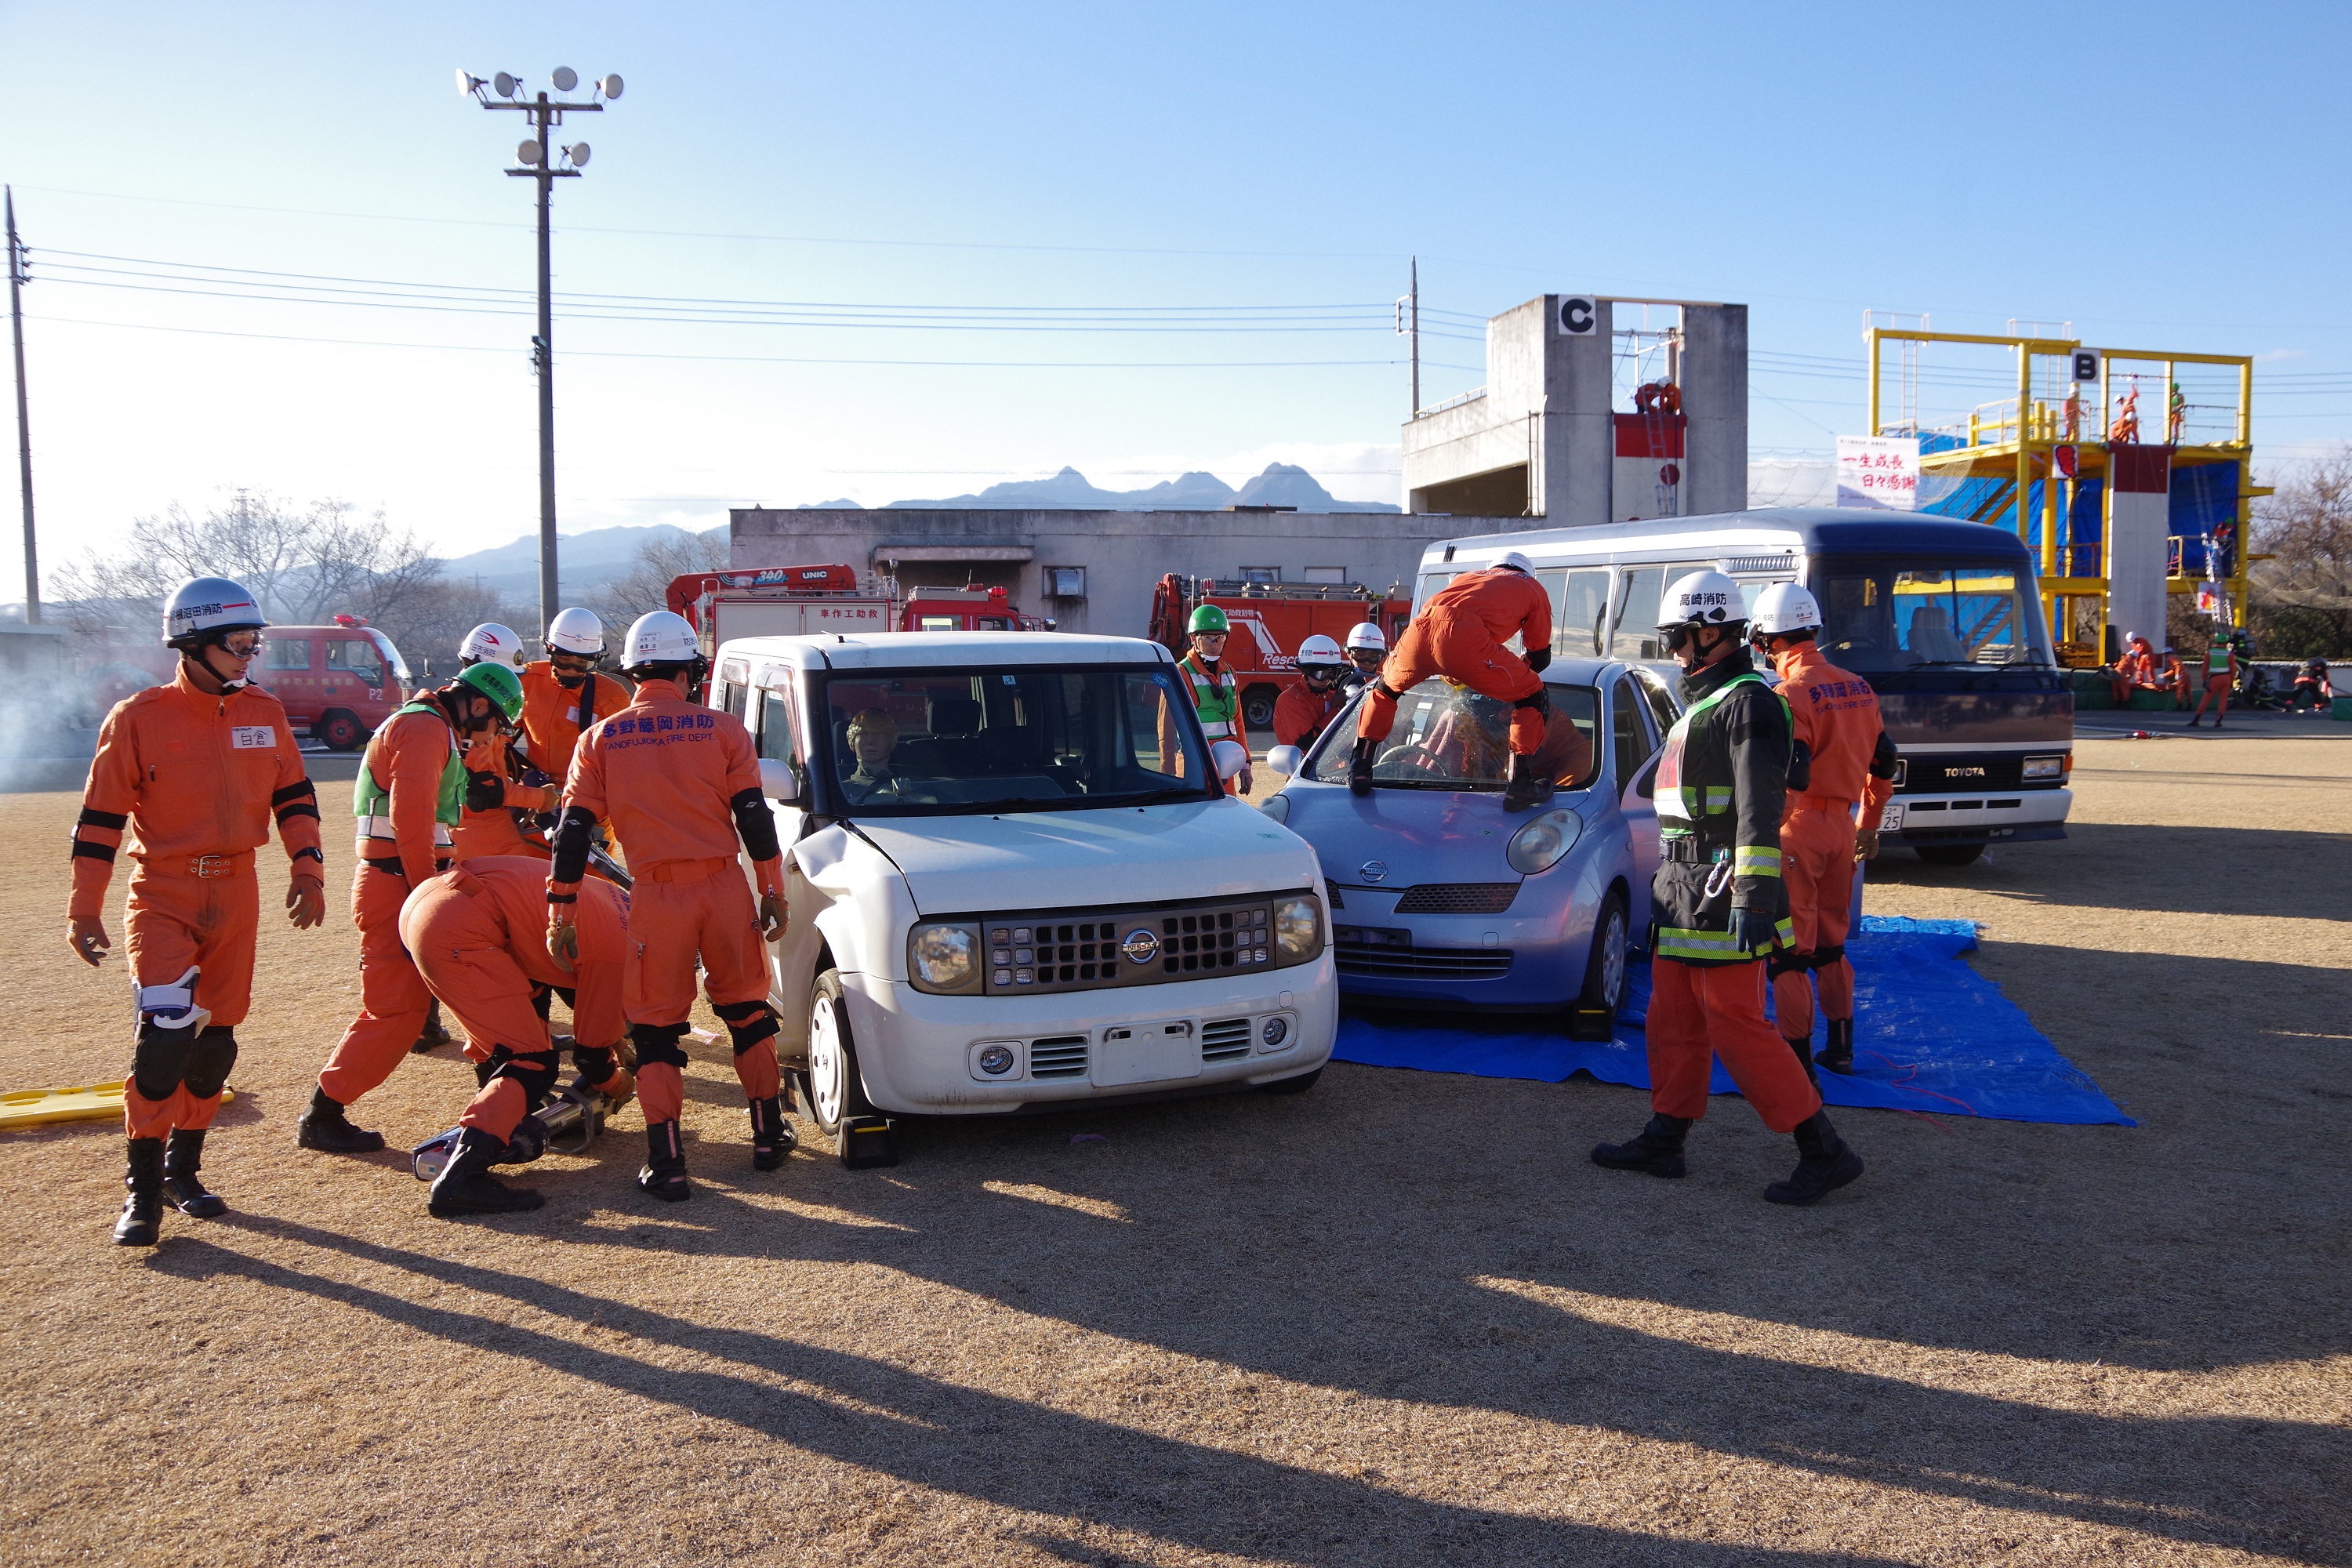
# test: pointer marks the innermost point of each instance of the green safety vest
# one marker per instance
(1682, 808)
(2217, 659)
(370, 798)
(1214, 700)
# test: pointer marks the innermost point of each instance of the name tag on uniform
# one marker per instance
(247, 737)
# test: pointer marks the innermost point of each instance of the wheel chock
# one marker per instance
(865, 1142)
(1590, 1024)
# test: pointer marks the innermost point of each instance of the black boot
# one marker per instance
(1838, 1054)
(1658, 1151)
(772, 1136)
(325, 1127)
(182, 1159)
(466, 1186)
(1804, 1049)
(1824, 1165)
(142, 1213)
(1359, 767)
(1526, 787)
(664, 1172)
(435, 1032)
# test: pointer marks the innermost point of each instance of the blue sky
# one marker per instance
(2163, 176)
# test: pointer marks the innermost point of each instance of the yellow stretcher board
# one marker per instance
(92, 1102)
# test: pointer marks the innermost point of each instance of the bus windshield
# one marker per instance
(1903, 613)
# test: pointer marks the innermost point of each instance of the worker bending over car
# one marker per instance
(1841, 757)
(679, 784)
(1720, 903)
(1460, 633)
(192, 771)
(1302, 711)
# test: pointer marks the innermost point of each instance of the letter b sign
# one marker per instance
(1578, 316)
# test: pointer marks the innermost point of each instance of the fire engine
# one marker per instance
(790, 601)
(1270, 620)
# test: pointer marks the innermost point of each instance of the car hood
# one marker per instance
(1416, 835)
(1068, 859)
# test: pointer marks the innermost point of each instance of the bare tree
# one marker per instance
(2302, 597)
(646, 585)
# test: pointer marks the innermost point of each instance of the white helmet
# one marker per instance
(659, 637)
(1366, 633)
(1782, 609)
(1516, 561)
(1707, 598)
(576, 631)
(210, 605)
(490, 643)
(1320, 649)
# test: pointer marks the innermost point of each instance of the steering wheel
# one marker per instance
(1429, 760)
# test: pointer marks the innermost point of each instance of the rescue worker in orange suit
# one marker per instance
(2221, 676)
(1368, 648)
(1841, 758)
(194, 770)
(679, 785)
(410, 789)
(479, 934)
(1303, 710)
(563, 695)
(1216, 698)
(2135, 671)
(1460, 633)
(499, 784)
(1720, 905)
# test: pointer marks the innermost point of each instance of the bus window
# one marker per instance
(1580, 602)
(1636, 636)
(1880, 615)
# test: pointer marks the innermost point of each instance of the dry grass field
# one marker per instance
(1399, 1320)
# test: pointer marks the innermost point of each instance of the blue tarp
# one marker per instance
(1930, 1034)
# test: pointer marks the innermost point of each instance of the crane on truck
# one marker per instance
(788, 601)
(1269, 621)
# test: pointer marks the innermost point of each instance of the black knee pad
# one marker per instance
(748, 1022)
(209, 1060)
(534, 1070)
(1826, 957)
(1782, 962)
(657, 1043)
(1540, 702)
(159, 1061)
(597, 1064)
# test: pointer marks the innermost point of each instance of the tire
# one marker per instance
(341, 732)
(1950, 854)
(1298, 1085)
(1257, 706)
(831, 1088)
(1595, 1013)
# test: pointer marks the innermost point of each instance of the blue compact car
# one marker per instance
(1439, 899)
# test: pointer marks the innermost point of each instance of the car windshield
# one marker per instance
(941, 742)
(1449, 737)
(1901, 614)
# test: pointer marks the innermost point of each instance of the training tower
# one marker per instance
(2128, 471)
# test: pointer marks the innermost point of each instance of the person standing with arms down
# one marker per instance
(1303, 710)
(679, 785)
(1843, 757)
(1720, 904)
(194, 770)
(410, 790)
(2220, 675)
(1216, 699)
(1460, 633)
(563, 694)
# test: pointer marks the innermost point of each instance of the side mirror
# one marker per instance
(777, 783)
(1230, 757)
(1286, 761)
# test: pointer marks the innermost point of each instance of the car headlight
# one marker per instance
(2045, 767)
(1538, 845)
(944, 957)
(1298, 928)
(1277, 807)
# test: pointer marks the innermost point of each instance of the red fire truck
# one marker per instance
(788, 601)
(1270, 620)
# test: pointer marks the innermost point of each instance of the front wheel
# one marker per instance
(833, 1089)
(1950, 854)
(341, 732)
(1594, 1014)
(1257, 706)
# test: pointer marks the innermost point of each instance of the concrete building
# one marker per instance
(1591, 417)
(1095, 571)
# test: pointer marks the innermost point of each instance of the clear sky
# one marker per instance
(1236, 188)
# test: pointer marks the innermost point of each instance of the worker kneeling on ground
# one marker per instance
(1303, 710)
(1461, 634)
(192, 771)
(407, 798)
(679, 784)
(1841, 757)
(1720, 903)
(478, 935)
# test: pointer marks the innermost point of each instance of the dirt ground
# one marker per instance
(1400, 1320)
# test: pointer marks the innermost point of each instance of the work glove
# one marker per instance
(774, 917)
(563, 938)
(1865, 844)
(306, 902)
(1755, 931)
(88, 934)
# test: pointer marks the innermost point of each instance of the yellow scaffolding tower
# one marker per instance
(2016, 441)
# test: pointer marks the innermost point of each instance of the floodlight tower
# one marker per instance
(537, 155)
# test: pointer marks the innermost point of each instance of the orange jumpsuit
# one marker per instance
(2135, 671)
(397, 851)
(492, 830)
(665, 772)
(551, 714)
(194, 778)
(1835, 716)
(1460, 632)
(1299, 714)
(479, 934)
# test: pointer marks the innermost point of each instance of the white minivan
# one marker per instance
(1015, 882)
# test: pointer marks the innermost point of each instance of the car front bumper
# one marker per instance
(1979, 818)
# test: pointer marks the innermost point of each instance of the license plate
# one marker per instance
(1147, 1053)
(1890, 819)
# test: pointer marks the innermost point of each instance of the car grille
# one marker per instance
(1224, 1039)
(1058, 1056)
(1094, 950)
(1457, 898)
(1381, 955)
(1944, 774)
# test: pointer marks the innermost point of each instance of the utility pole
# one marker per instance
(537, 155)
(16, 281)
(1408, 326)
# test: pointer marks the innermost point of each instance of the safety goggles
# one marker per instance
(1209, 636)
(239, 645)
(575, 662)
(1676, 637)
(1367, 658)
(1323, 672)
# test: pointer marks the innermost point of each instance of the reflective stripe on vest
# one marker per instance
(1714, 946)
(1214, 701)
(2217, 661)
(371, 801)
(1686, 803)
